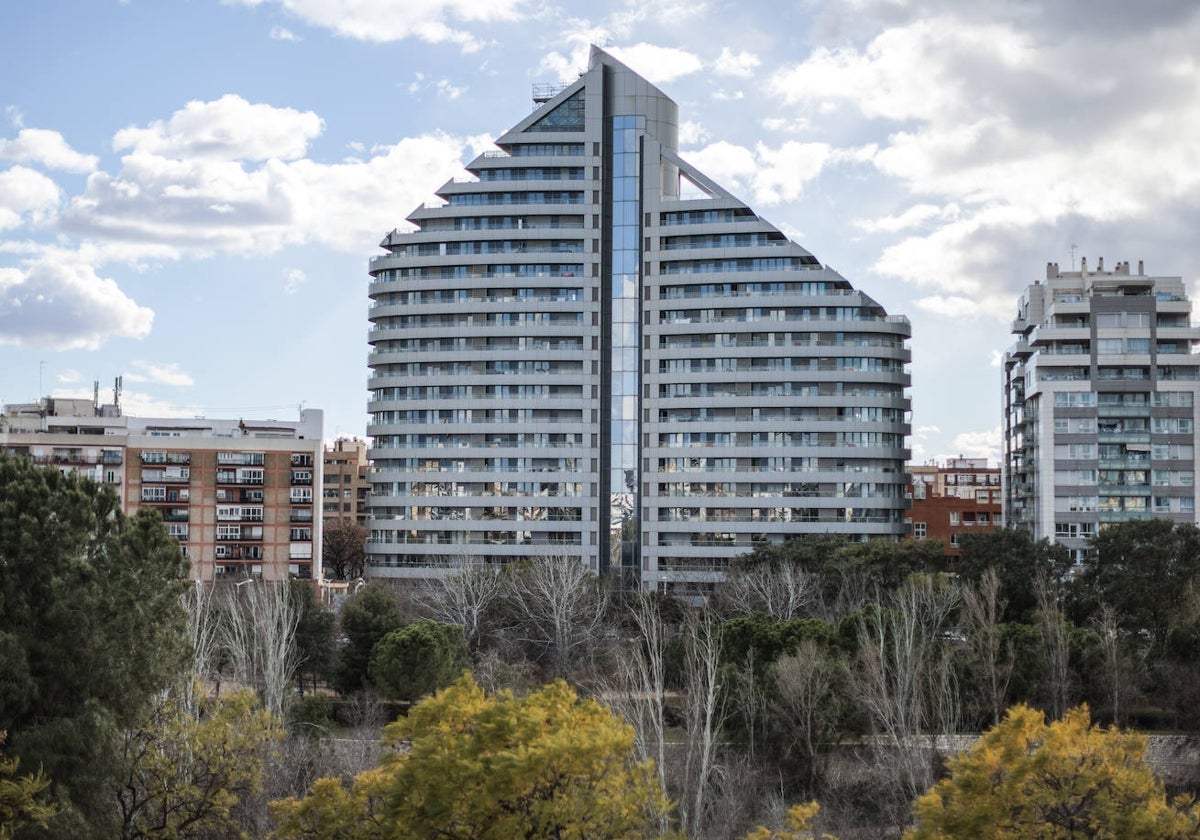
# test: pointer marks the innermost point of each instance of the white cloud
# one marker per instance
(293, 279)
(1011, 137)
(449, 91)
(444, 88)
(24, 192)
(69, 377)
(657, 64)
(66, 306)
(983, 444)
(787, 126)
(211, 178)
(950, 305)
(47, 148)
(741, 65)
(997, 358)
(160, 374)
(381, 21)
(915, 216)
(229, 128)
(728, 95)
(691, 133)
(280, 33)
(771, 175)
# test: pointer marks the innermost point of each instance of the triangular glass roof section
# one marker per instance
(565, 116)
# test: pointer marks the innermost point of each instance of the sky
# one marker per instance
(190, 190)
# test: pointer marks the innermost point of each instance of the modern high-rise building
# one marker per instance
(236, 494)
(1100, 404)
(590, 348)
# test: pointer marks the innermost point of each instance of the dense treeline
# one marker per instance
(136, 705)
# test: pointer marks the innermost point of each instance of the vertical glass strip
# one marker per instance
(625, 405)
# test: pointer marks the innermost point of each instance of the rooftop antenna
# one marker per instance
(1073, 247)
(41, 368)
(117, 394)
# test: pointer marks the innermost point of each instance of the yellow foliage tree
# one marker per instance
(1067, 779)
(797, 825)
(23, 797)
(187, 769)
(465, 764)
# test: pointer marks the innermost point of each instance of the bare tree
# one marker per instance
(559, 604)
(260, 631)
(904, 679)
(638, 688)
(462, 595)
(1108, 632)
(782, 592)
(204, 633)
(806, 700)
(705, 713)
(1053, 625)
(344, 548)
(982, 608)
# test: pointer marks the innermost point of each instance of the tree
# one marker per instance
(781, 592)
(344, 548)
(704, 713)
(1142, 568)
(91, 626)
(904, 680)
(464, 595)
(366, 617)
(187, 769)
(992, 659)
(260, 638)
(1068, 779)
(465, 764)
(1017, 560)
(418, 659)
(797, 825)
(807, 702)
(559, 605)
(22, 797)
(314, 635)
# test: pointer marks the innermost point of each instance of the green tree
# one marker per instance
(1143, 569)
(187, 771)
(91, 626)
(1018, 561)
(366, 617)
(418, 659)
(314, 635)
(465, 764)
(1068, 779)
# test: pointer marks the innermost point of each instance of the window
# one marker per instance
(154, 494)
(954, 518)
(919, 530)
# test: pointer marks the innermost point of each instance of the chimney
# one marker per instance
(1100, 264)
(1083, 266)
(1141, 268)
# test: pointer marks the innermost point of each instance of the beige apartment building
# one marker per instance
(345, 487)
(237, 494)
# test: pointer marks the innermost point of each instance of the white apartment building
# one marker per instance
(1100, 396)
(588, 347)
